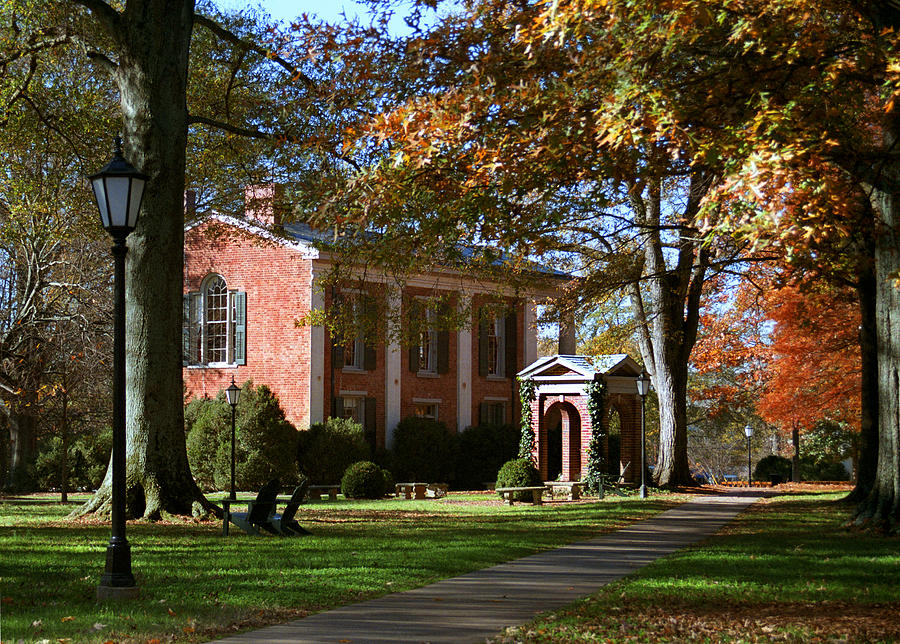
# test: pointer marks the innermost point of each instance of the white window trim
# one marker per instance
(203, 323)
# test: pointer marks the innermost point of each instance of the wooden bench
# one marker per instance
(537, 492)
(572, 489)
(318, 490)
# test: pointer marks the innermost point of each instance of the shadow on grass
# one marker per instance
(193, 580)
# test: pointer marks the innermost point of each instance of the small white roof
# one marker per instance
(580, 367)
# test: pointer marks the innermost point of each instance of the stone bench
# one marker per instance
(421, 490)
(316, 491)
(536, 493)
(572, 489)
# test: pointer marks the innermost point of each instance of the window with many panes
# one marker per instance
(497, 352)
(426, 409)
(355, 349)
(214, 330)
(428, 348)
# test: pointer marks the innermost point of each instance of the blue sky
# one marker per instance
(286, 10)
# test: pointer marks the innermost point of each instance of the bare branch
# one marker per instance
(227, 36)
(227, 127)
(108, 17)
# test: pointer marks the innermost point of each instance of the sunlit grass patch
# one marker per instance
(195, 584)
(786, 570)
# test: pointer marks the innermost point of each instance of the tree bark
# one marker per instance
(152, 41)
(881, 508)
(22, 441)
(867, 445)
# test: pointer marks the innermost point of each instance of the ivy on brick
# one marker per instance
(596, 404)
(527, 395)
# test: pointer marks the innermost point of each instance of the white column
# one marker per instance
(530, 332)
(316, 363)
(392, 369)
(464, 370)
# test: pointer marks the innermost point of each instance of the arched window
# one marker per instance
(214, 330)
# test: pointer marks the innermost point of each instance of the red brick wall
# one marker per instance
(505, 387)
(340, 379)
(576, 435)
(629, 408)
(277, 281)
(436, 387)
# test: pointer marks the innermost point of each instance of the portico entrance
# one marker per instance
(562, 424)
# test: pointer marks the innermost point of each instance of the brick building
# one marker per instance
(561, 422)
(247, 284)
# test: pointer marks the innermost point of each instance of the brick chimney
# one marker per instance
(263, 202)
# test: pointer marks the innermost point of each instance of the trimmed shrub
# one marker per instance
(772, 465)
(483, 449)
(519, 472)
(424, 450)
(325, 450)
(364, 480)
(265, 442)
(813, 470)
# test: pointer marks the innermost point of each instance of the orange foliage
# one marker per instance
(814, 365)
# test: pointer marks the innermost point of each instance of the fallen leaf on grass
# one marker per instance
(37, 623)
(188, 629)
(98, 626)
(67, 618)
(171, 612)
(7, 600)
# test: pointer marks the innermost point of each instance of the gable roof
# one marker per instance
(561, 368)
(295, 242)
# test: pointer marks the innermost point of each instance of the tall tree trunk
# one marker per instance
(22, 439)
(867, 445)
(670, 379)
(795, 459)
(882, 506)
(668, 324)
(152, 40)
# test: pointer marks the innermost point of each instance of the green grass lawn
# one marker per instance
(196, 585)
(785, 570)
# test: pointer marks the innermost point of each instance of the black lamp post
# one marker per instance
(232, 394)
(643, 386)
(748, 432)
(118, 190)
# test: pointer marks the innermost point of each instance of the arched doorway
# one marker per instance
(553, 422)
(614, 443)
(561, 443)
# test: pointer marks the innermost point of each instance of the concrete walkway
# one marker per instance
(473, 607)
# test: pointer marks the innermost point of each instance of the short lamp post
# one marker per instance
(118, 190)
(232, 395)
(748, 432)
(643, 387)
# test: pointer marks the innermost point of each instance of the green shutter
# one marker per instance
(240, 327)
(510, 337)
(414, 359)
(337, 354)
(337, 407)
(370, 422)
(370, 358)
(483, 358)
(185, 329)
(483, 412)
(195, 352)
(443, 348)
